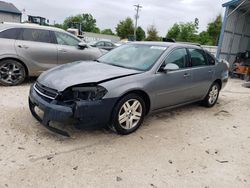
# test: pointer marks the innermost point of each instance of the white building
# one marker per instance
(9, 13)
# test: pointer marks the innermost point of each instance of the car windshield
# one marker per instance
(134, 56)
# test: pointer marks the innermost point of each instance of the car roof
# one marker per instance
(169, 44)
(7, 25)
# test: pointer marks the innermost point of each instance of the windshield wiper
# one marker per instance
(96, 60)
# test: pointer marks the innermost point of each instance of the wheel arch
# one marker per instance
(218, 81)
(142, 94)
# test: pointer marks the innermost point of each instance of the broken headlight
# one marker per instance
(89, 93)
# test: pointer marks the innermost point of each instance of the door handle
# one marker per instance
(186, 75)
(210, 71)
(62, 50)
(23, 46)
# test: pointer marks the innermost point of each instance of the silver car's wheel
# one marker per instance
(130, 114)
(11, 73)
(212, 95)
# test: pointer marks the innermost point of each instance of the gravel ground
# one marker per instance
(190, 146)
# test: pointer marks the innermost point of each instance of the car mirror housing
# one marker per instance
(82, 45)
(171, 67)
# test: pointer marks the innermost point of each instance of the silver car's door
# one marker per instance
(202, 72)
(68, 49)
(36, 48)
(174, 87)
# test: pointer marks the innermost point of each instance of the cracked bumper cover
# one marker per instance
(89, 114)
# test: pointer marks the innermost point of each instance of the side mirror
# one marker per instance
(82, 45)
(171, 67)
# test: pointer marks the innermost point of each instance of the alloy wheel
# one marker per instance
(130, 114)
(213, 94)
(11, 73)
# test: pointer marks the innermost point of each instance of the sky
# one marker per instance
(162, 13)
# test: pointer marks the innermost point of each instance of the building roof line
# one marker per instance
(232, 2)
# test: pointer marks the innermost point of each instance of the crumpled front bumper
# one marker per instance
(89, 114)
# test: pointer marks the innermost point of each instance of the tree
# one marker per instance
(205, 39)
(125, 28)
(214, 29)
(88, 23)
(58, 26)
(152, 33)
(107, 32)
(174, 32)
(140, 34)
(185, 32)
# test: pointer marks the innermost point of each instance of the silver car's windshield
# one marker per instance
(134, 56)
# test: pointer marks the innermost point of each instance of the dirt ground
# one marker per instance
(191, 146)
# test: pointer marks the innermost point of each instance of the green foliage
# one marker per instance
(107, 32)
(59, 26)
(205, 39)
(125, 28)
(152, 34)
(214, 29)
(174, 32)
(185, 32)
(88, 23)
(140, 34)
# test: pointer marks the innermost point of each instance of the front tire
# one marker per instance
(128, 114)
(12, 72)
(212, 96)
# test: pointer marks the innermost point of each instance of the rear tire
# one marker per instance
(212, 96)
(12, 72)
(128, 114)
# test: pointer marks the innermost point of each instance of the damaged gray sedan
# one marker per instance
(121, 87)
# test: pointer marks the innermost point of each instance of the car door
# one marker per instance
(174, 87)
(36, 48)
(202, 72)
(68, 49)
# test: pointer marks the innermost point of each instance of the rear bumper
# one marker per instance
(86, 114)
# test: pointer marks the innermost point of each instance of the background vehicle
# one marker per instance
(29, 49)
(126, 84)
(106, 45)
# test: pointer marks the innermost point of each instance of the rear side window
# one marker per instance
(198, 57)
(65, 39)
(12, 33)
(108, 44)
(36, 35)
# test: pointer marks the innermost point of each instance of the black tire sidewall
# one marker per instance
(22, 70)
(206, 100)
(115, 122)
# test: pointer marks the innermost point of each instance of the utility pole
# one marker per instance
(138, 7)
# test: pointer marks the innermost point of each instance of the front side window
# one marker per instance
(134, 56)
(65, 39)
(100, 44)
(197, 57)
(12, 33)
(178, 57)
(36, 35)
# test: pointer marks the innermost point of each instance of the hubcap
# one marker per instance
(213, 94)
(10, 73)
(130, 114)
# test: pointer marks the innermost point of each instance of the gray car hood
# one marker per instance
(76, 73)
